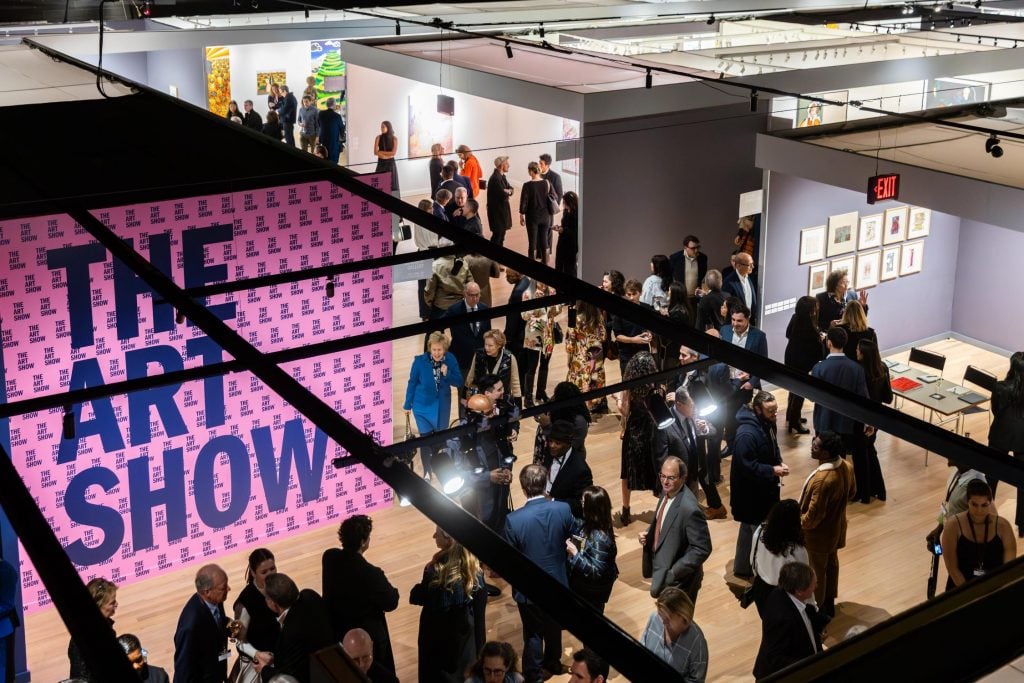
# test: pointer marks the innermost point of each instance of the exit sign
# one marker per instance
(882, 187)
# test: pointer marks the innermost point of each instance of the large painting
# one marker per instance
(218, 79)
(265, 79)
(427, 126)
(329, 73)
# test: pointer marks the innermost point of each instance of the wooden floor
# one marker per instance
(883, 569)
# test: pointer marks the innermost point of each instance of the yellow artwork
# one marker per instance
(264, 79)
(218, 79)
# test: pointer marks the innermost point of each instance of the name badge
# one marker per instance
(978, 572)
(224, 656)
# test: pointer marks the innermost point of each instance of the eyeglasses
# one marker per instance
(745, 264)
(668, 477)
(493, 672)
(693, 246)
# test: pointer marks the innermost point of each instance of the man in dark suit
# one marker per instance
(791, 629)
(458, 177)
(569, 473)
(539, 529)
(740, 283)
(499, 212)
(678, 541)
(549, 174)
(709, 308)
(515, 328)
(740, 332)
(356, 593)
(839, 370)
(252, 118)
(359, 647)
(305, 628)
(440, 204)
(448, 181)
(696, 457)
(288, 110)
(467, 337)
(689, 267)
(201, 638)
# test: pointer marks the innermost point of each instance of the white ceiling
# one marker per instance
(28, 76)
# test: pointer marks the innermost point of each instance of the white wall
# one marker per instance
(488, 127)
(292, 58)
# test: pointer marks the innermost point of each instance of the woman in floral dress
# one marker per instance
(584, 347)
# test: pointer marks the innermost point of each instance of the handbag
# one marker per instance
(611, 347)
(553, 206)
(557, 336)
(759, 589)
(401, 232)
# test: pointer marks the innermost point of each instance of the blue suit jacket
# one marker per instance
(424, 397)
(846, 374)
(731, 285)
(464, 342)
(198, 642)
(757, 342)
(539, 530)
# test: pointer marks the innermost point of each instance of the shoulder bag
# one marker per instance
(759, 589)
(553, 206)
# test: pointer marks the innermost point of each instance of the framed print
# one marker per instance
(842, 234)
(265, 79)
(870, 234)
(894, 225)
(818, 276)
(812, 244)
(890, 263)
(868, 264)
(919, 224)
(912, 258)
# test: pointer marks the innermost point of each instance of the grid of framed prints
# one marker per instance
(871, 248)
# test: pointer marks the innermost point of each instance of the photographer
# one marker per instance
(485, 455)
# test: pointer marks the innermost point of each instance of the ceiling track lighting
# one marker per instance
(992, 146)
(711, 20)
(753, 101)
(305, 11)
(649, 80)
(508, 49)
(977, 4)
(398, 28)
(541, 29)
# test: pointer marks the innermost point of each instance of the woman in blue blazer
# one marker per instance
(429, 394)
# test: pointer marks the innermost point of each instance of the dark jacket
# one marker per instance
(514, 325)
(678, 263)
(274, 130)
(198, 642)
(880, 389)
(784, 637)
(305, 630)
(435, 175)
(845, 374)
(853, 338)
(572, 478)
(533, 201)
(731, 285)
(288, 109)
(356, 595)
(709, 310)
(539, 530)
(465, 342)
(755, 488)
(499, 212)
(252, 119)
(1007, 430)
(556, 183)
(804, 348)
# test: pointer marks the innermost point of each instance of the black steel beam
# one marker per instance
(573, 613)
(90, 630)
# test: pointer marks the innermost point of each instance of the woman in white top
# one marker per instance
(777, 541)
(656, 285)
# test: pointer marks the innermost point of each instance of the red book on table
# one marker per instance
(904, 384)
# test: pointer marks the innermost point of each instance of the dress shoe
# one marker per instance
(625, 517)
(542, 398)
(559, 670)
(799, 429)
(492, 590)
(803, 420)
(716, 513)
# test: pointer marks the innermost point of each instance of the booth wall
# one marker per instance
(984, 270)
(901, 311)
(180, 68)
(652, 181)
(489, 128)
(292, 58)
(132, 65)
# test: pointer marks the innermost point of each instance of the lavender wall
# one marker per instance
(986, 271)
(902, 310)
(648, 182)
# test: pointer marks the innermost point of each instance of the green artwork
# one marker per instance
(328, 72)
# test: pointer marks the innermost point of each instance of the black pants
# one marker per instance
(289, 133)
(534, 360)
(794, 406)
(698, 474)
(542, 642)
(866, 469)
(711, 448)
(498, 236)
(537, 237)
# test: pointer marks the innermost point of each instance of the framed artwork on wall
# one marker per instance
(912, 258)
(894, 225)
(870, 234)
(265, 79)
(890, 263)
(919, 224)
(812, 244)
(842, 234)
(818, 276)
(868, 264)
(846, 263)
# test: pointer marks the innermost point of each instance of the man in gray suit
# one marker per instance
(678, 541)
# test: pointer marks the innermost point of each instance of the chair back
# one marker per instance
(929, 359)
(984, 379)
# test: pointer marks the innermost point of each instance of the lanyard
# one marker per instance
(979, 549)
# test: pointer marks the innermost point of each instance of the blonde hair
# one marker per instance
(677, 602)
(102, 591)
(498, 336)
(854, 318)
(456, 565)
(438, 338)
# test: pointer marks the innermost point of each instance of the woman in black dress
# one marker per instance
(450, 594)
(679, 314)
(568, 247)
(436, 164)
(1007, 431)
(978, 540)
(534, 214)
(637, 433)
(855, 322)
(385, 146)
(259, 624)
(803, 351)
(865, 458)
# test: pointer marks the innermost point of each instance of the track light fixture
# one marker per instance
(305, 10)
(659, 411)
(443, 466)
(977, 4)
(753, 100)
(329, 289)
(68, 424)
(542, 29)
(508, 49)
(711, 20)
(649, 80)
(398, 28)
(992, 146)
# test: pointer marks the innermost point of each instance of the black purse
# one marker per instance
(759, 589)
(557, 336)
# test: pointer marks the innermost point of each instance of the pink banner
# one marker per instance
(177, 475)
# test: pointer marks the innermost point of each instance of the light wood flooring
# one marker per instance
(883, 569)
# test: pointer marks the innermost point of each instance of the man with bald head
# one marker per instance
(678, 541)
(359, 647)
(201, 638)
(467, 337)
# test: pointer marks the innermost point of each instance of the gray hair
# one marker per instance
(461, 190)
(683, 395)
(329, 103)
(713, 279)
(498, 161)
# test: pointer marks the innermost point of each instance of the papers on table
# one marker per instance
(928, 379)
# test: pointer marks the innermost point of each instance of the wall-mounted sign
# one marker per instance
(882, 187)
